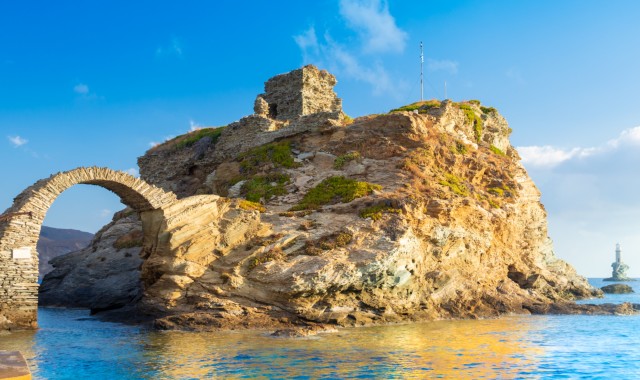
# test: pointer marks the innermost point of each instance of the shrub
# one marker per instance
(251, 206)
(375, 212)
(333, 190)
(474, 101)
(198, 135)
(474, 119)
(273, 255)
(488, 109)
(264, 187)
(278, 154)
(497, 150)
(456, 184)
(348, 119)
(496, 191)
(460, 148)
(420, 106)
(326, 243)
(343, 159)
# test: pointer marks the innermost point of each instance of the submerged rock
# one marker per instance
(387, 218)
(617, 289)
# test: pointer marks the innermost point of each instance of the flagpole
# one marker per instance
(421, 75)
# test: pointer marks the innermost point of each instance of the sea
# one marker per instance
(71, 344)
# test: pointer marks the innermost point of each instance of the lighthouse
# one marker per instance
(619, 272)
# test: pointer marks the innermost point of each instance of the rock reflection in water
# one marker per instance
(451, 348)
(70, 344)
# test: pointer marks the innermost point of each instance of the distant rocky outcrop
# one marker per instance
(421, 213)
(54, 242)
(617, 289)
(105, 275)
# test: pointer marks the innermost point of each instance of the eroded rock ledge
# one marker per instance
(299, 216)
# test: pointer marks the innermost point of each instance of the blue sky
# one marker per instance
(97, 82)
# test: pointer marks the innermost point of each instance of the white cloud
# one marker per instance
(442, 65)
(308, 42)
(378, 33)
(105, 213)
(133, 172)
(173, 48)
(629, 136)
(194, 126)
(17, 140)
(375, 25)
(81, 89)
(548, 156)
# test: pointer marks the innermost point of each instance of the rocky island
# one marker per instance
(298, 215)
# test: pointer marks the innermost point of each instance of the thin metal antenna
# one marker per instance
(421, 75)
(445, 89)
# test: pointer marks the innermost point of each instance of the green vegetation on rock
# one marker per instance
(375, 212)
(326, 243)
(455, 183)
(277, 154)
(422, 107)
(334, 190)
(497, 150)
(459, 148)
(251, 206)
(344, 159)
(273, 255)
(197, 135)
(265, 186)
(488, 110)
(474, 119)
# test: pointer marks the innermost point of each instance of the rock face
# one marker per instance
(421, 213)
(617, 289)
(105, 275)
(54, 242)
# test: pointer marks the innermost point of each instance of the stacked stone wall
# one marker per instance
(19, 234)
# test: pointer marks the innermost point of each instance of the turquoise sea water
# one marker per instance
(71, 345)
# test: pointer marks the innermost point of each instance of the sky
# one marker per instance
(99, 82)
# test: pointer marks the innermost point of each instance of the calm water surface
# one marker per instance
(71, 345)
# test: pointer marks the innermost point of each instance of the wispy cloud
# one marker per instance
(548, 156)
(133, 172)
(154, 144)
(104, 213)
(194, 126)
(17, 140)
(378, 33)
(374, 24)
(81, 89)
(173, 48)
(442, 65)
(83, 92)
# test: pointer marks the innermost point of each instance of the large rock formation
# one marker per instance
(421, 213)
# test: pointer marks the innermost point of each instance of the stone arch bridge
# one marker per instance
(20, 230)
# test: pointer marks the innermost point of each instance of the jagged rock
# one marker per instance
(440, 224)
(102, 276)
(617, 289)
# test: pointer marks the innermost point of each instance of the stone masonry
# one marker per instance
(299, 101)
(301, 92)
(19, 234)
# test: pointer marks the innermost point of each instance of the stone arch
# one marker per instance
(19, 232)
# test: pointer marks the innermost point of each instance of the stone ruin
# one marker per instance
(299, 101)
(301, 92)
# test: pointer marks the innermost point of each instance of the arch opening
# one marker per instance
(20, 230)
